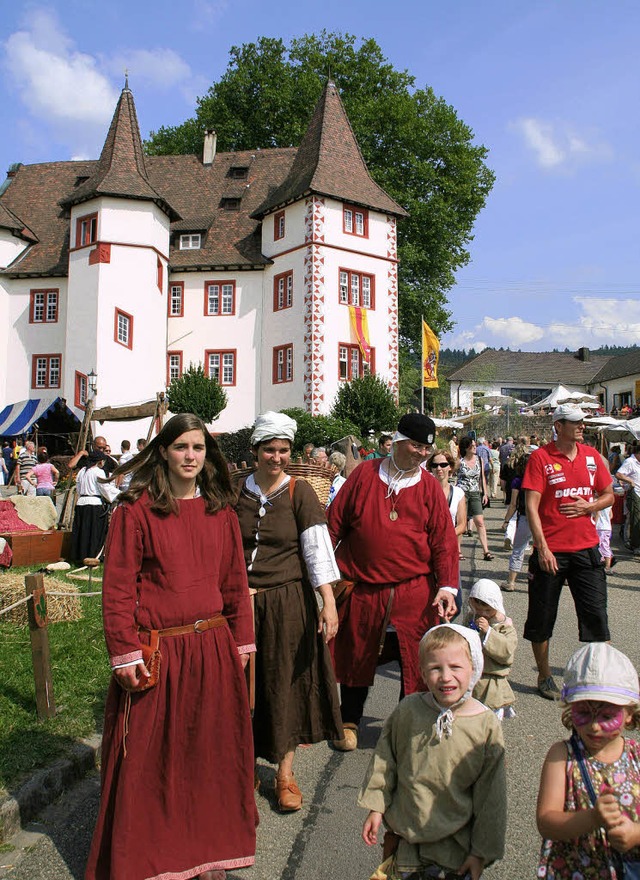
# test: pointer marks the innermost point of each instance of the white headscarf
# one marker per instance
(270, 425)
(489, 592)
(444, 721)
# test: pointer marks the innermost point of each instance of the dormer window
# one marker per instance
(239, 172)
(230, 204)
(80, 180)
(190, 242)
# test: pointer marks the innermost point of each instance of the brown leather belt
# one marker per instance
(199, 626)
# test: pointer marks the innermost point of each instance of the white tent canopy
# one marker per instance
(561, 394)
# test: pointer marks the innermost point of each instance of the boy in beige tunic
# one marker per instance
(437, 777)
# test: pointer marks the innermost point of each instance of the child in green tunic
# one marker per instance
(437, 777)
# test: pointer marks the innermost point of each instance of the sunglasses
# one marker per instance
(439, 464)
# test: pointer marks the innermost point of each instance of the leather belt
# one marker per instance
(199, 626)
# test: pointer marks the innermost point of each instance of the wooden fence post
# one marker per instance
(38, 620)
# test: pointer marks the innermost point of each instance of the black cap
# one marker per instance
(95, 456)
(418, 428)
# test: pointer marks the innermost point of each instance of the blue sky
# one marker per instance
(551, 88)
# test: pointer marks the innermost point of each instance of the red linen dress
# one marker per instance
(177, 795)
(417, 553)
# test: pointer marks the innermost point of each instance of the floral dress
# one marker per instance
(590, 856)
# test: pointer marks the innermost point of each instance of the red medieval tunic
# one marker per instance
(177, 796)
(417, 553)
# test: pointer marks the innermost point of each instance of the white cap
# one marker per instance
(600, 672)
(568, 412)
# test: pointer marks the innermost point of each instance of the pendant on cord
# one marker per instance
(393, 516)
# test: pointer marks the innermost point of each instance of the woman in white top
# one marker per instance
(441, 465)
(91, 518)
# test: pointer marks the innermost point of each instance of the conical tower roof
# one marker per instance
(121, 171)
(329, 162)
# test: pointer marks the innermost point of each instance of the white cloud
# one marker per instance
(518, 332)
(558, 145)
(207, 13)
(598, 321)
(160, 68)
(58, 85)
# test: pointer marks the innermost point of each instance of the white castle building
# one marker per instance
(275, 269)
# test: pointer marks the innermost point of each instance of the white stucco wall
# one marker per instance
(463, 398)
(10, 248)
(25, 340)
(195, 333)
(627, 385)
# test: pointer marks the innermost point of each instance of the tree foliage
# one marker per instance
(368, 403)
(319, 430)
(196, 393)
(416, 148)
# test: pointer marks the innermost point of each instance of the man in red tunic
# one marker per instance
(395, 539)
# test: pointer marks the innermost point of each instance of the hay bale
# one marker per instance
(60, 608)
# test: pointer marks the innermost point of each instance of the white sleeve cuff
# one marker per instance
(130, 663)
(317, 552)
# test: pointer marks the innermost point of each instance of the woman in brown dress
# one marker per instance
(288, 555)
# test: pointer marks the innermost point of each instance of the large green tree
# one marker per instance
(413, 142)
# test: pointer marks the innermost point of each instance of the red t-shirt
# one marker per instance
(557, 479)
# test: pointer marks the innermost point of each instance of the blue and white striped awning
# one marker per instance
(17, 418)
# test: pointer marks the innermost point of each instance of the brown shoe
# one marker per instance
(349, 742)
(288, 794)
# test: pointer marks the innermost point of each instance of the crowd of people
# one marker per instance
(244, 619)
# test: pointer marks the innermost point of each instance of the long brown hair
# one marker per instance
(150, 472)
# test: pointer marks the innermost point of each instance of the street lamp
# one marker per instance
(92, 379)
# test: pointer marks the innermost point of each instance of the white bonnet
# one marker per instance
(475, 646)
(489, 592)
(270, 425)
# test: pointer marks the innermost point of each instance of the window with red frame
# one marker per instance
(278, 226)
(283, 291)
(351, 364)
(356, 289)
(86, 230)
(174, 366)
(282, 364)
(45, 370)
(220, 298)
(123, 329)
(159, 274)
(355, 221)
(81, 390)
(176, 299)
(221, 366)
(43, 308)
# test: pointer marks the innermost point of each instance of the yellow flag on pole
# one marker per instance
(430, 355)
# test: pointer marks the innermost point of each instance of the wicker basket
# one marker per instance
(318, 477)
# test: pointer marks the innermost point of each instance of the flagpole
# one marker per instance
(422, 367)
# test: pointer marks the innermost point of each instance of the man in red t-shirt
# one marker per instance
(566, 483)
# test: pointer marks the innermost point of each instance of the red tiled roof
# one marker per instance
(8, 220)
(121, 169)
(329, 162)
(33, 195)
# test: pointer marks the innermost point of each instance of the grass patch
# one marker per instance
(80, 671)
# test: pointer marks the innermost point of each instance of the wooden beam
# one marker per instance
(39, 633)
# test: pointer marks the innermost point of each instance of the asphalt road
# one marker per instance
(322, 841)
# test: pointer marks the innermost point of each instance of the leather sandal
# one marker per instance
(288, 794)
(349, 742)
